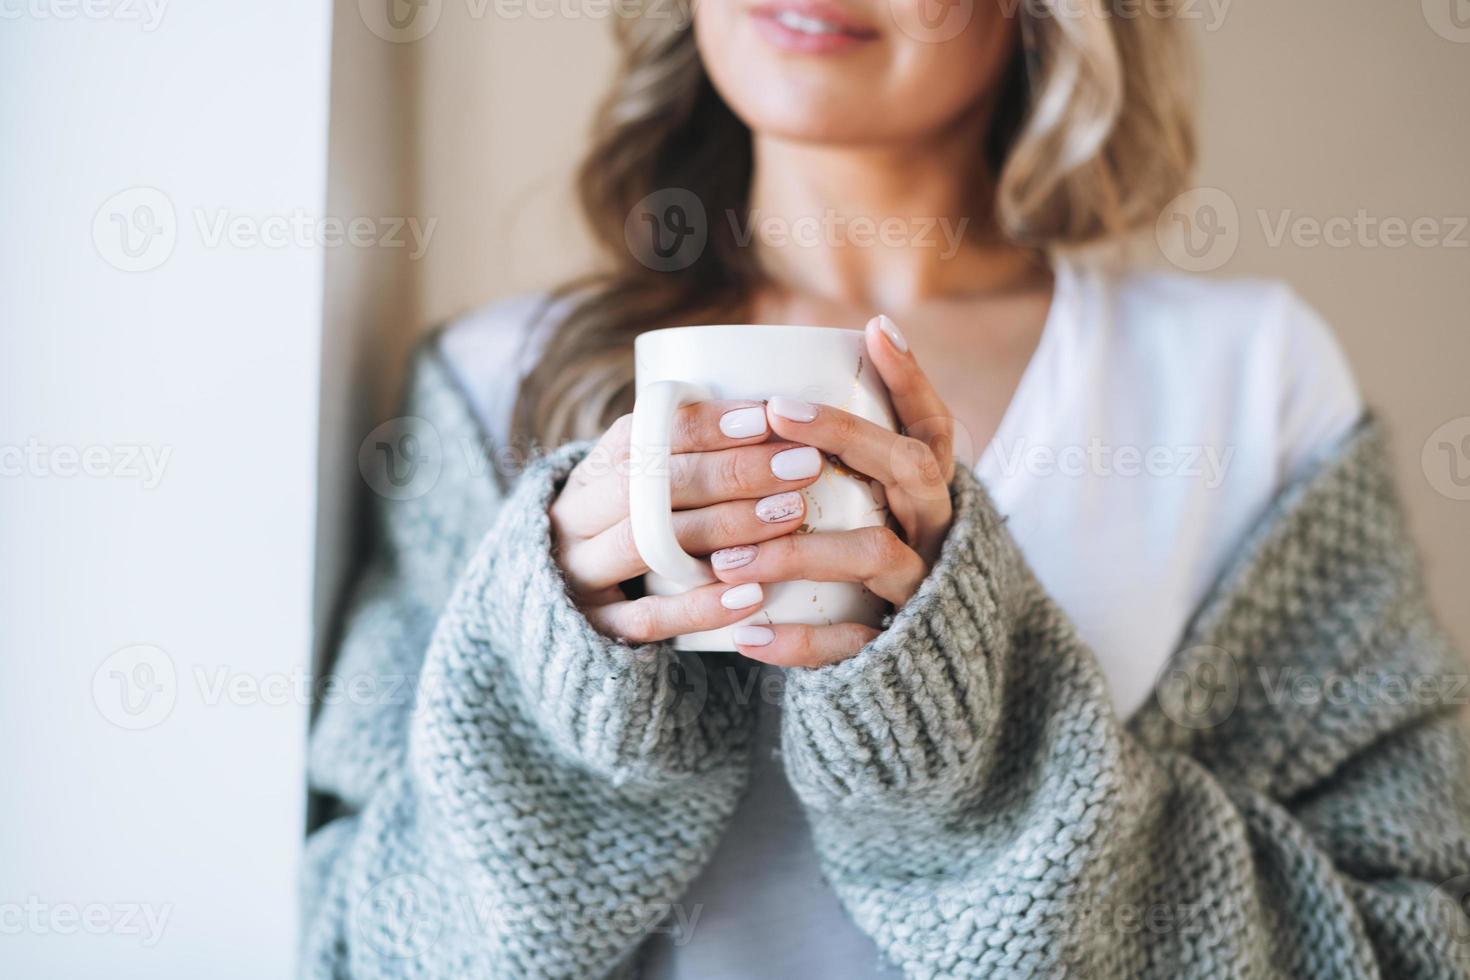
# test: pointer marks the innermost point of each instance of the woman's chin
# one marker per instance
(818, 131)
(834, 100)
(808, 113)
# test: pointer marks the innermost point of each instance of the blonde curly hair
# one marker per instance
(1091, 136)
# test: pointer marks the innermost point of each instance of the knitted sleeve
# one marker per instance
(1294, 802)
(540, 804)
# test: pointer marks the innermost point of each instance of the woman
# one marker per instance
(1174, 486)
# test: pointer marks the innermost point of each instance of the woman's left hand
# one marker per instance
(914, 468)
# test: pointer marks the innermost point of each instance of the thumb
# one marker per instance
(922, 414)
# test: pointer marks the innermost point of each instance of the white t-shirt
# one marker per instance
(1157, 419)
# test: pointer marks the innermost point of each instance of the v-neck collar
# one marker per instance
(1015, 417)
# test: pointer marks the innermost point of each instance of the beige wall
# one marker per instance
(1326, 107)
(505, 105)
(370, 298)
(1316, 107)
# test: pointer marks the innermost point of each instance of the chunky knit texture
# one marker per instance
(1295, 801)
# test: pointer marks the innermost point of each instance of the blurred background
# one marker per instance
(225, 223)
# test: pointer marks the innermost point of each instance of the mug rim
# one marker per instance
(694, 328)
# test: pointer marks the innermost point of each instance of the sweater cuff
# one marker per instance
(906, 721)
(631, 713)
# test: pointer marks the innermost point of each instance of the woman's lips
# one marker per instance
(811, 27)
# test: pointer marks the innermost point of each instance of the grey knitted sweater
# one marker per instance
(521, 797)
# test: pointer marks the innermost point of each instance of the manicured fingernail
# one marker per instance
(891, 331)
(752, 636)
(797, 464)
(793, 409)
(779, 507)
(742, 423)
(727, 558)
(741, 596)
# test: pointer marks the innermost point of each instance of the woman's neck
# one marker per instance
(880, 228)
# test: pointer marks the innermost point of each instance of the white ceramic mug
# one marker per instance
(823, 365)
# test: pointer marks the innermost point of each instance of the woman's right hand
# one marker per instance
(730, 487)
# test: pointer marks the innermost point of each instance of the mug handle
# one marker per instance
(650, 500)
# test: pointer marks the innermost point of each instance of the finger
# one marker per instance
(922, 414)
(917, 483)
(744, 473)
(612, 556)
(595, 495)
(653, 618)
(802, 646)
(873, 556)
(596, 492)
(736, 522)
(706, 426)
